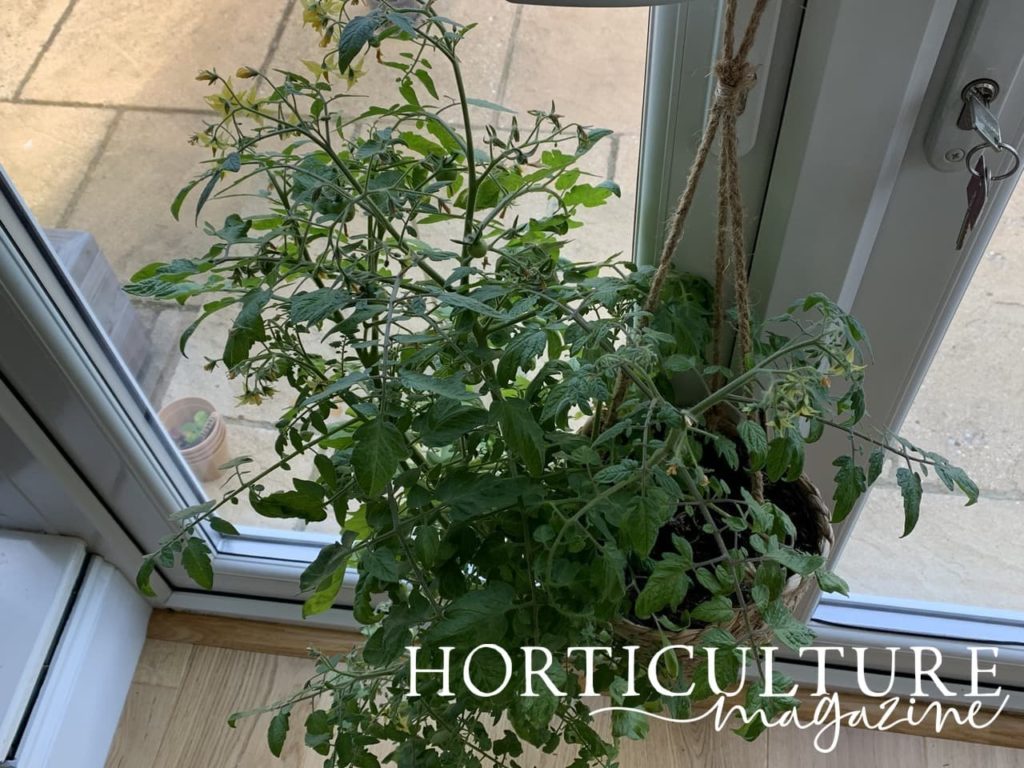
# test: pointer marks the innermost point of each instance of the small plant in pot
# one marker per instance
(199, 433)
(189, 433)
(496, 429)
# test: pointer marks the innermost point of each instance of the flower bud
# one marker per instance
(246, 72)
(207, 76)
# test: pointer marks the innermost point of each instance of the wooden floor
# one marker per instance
(175, 717)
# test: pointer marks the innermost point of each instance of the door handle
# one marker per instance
(990, 51)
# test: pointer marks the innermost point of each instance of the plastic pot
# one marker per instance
(211, 451)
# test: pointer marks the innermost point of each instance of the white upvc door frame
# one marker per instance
(855, 210)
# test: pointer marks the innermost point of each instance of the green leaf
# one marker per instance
(770, 578)
(387, 642)
(788, 630)
(666, 587)
(470, 494)
(803, 563)
(379, 449)
(207, 191)
(447, 421)
(875, 464)
(408, 92)
(756, 442)
(521, 352)
(779, 455)
(910, 488)
(485, 104)
(424, 77)
(277, 731)
(355, 36)
(179, 199)
(587, 195)
(617, 473)
(427, 545)
(726, 448)
(717, 609)
(325, 594)
(382, 565)
(830, 582)
(315, 306)
(421, 144)
(679, 363)
(196, 510)
(287, 505)
(235, 229)
(329, 560)
(441, 131)
(954, 476)
(451, 387)
(520, 430)
(645, 516)
(158, 287)
(472, 612)
(459, 301)
(247, 329)
(223, 527)
(850, 485)
(343, 384)
(628, 724)
(143, 577)
(195, 558)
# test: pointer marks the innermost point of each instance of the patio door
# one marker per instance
(883, 135)
(845, 195)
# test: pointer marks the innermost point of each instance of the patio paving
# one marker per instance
(97, 101)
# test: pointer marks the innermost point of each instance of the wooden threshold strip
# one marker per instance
(294, 640)
(247, 635)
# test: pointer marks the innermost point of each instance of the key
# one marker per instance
(976, 115)
(977, 195)
(983, 122)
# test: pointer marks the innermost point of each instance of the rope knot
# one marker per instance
(735, 79)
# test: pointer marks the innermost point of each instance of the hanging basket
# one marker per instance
(802, 501)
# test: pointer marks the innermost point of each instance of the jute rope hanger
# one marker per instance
(735, 77)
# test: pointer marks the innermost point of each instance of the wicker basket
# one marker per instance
(651, 640)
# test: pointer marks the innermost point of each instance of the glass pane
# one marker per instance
(970, 409)
(98, 105)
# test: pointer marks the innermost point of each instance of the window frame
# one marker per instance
(64, 377)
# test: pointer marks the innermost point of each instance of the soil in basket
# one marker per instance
(688, 523)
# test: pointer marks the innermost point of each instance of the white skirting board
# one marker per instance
(78, 708)
(38, 576)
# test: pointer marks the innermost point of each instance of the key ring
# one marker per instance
(1002, 145)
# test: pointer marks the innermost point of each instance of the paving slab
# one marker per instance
(590, 62)
(144, 53)
(24, 29)
(164, 323)
(258, 444)
(191, 379)
(970, 406)
(46, 151)
(962, 555)
(483, 53)
(609, 229)
(125, 203)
